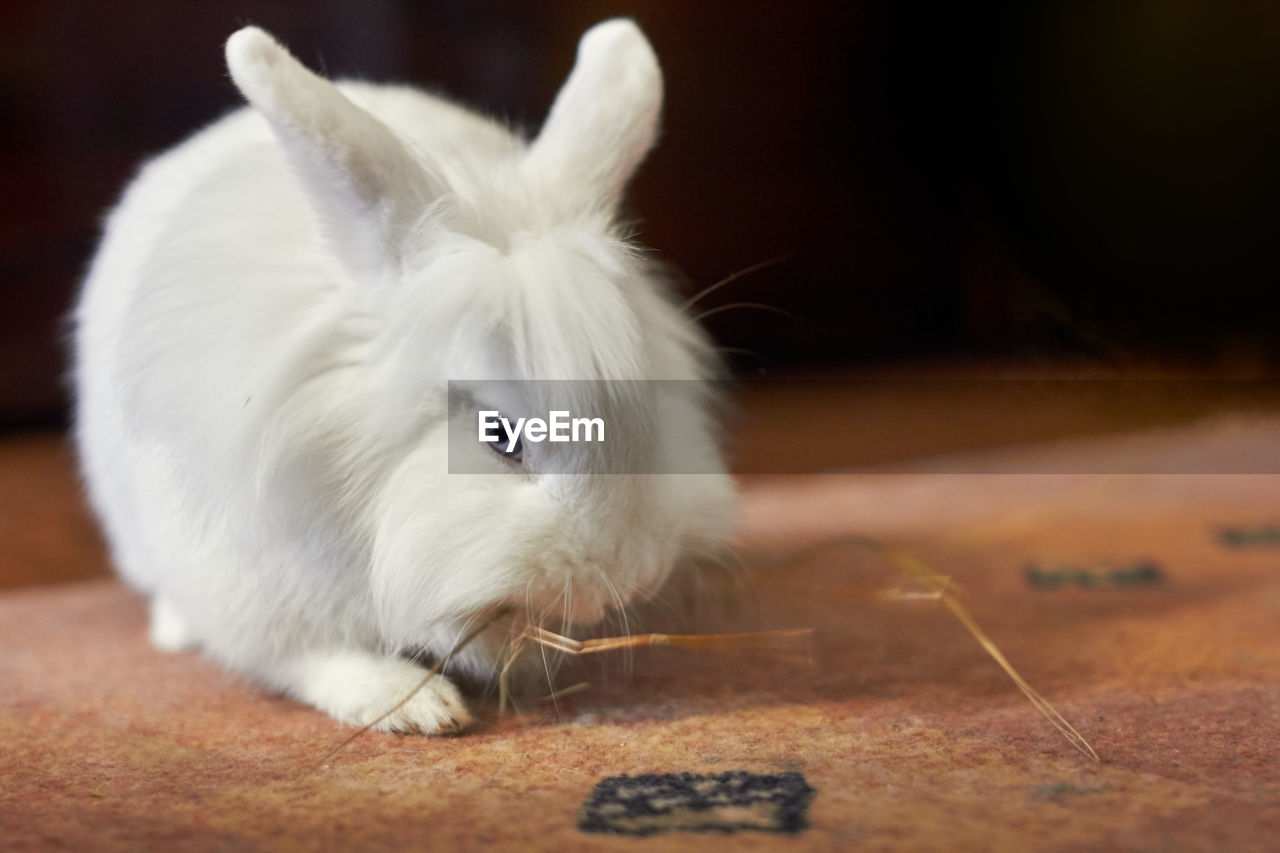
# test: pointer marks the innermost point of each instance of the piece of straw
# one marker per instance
(943, 588)
(570, 646)
(701, 642)
(571, 690)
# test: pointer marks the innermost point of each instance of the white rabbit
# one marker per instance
(263, 345)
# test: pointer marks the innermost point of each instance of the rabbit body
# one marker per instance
(262, 347)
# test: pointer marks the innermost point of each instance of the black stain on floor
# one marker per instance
(1058, 791)
(1094, 577)
(1248, 537)
(736, 801)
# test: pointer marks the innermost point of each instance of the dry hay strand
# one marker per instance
(748, 640)
(700, 642)
(941, 588)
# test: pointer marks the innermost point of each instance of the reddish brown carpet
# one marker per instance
(910, 734)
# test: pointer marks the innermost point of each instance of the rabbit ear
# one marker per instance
(363, 184)
(604, 120)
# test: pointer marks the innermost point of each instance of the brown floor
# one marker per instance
(910, 734)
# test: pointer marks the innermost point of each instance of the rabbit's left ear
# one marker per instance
(603, 121)
(364, 186)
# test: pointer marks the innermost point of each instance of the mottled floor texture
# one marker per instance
(1145, 605)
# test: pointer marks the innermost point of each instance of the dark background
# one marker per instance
(955, 183)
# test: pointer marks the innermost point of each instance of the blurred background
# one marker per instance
(983, 184)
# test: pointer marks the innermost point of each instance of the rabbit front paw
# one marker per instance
(168, 629)
(387, 693)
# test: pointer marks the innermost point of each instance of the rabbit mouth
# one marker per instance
(572, 605)
(589, 613)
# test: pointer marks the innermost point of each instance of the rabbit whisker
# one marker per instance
(731, 278)
(759, 306)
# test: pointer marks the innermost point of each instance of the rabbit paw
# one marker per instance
(387, 693)
(168, 630)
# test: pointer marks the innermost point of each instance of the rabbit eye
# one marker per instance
(500, 447)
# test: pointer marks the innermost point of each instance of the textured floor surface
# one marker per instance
(1150, 617)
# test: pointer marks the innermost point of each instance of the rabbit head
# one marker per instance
(471, 256)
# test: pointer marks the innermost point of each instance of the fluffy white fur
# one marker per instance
(262, 350)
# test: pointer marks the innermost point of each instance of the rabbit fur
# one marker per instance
(262, 347)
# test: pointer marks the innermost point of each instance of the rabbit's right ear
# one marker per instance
(364, 186)
(604, 120)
